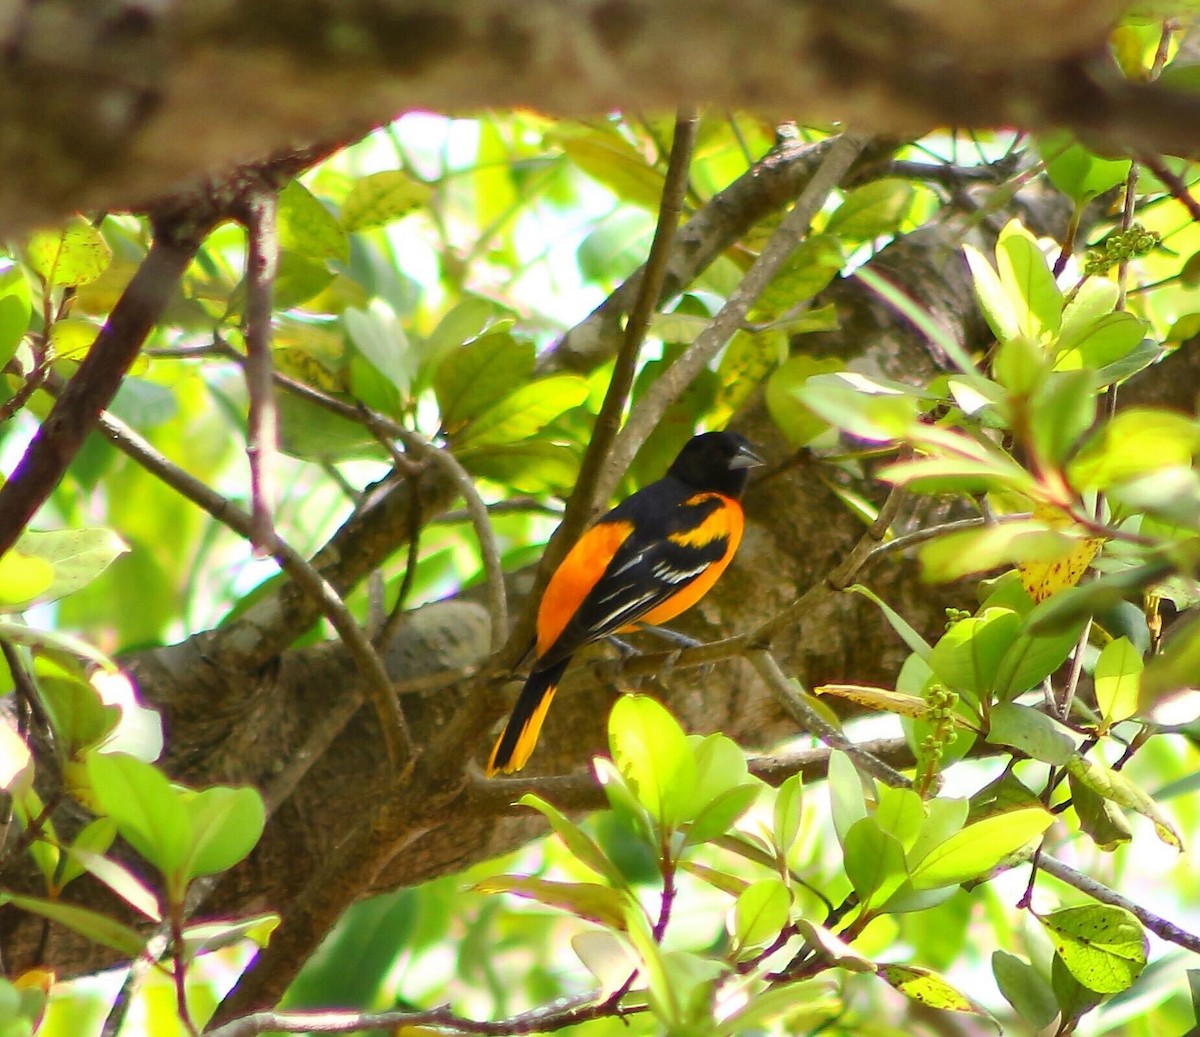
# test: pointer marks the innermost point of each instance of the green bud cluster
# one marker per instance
(1119, 248)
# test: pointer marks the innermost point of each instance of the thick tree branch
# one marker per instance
(150, 88)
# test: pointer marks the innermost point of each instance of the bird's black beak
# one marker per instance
(745, 458)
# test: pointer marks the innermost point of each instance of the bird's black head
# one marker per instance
(717, 461)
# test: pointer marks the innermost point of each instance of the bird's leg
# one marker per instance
(671, 635)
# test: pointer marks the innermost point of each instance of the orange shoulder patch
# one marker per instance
(575, 577)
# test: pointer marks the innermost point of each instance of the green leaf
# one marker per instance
(987, 547)
(872, 210)
(900, 813)
(795, 420)
(1136, 441)
(478, 375)
(1105, 341)
(1032, 732)
(460, 324)
(51, 641)
(16, 306)
(1118, 677)
(945, 817)
(213, 935)
(747, 360)
(532, 466)
(525, 412)
(226, 823)
(832, 948)
(377, 336)
(611, 160)
(1027, 282)
(874, 862)
(978, 848)
(73, 255)
(77, 714)
(928, 988)
(381, 198)
(718, 816)
(115, 876)
(760, 913)
(148, 813)
(1078, 173)
(809, 269)
(1092, 301)
(90, 924)
(307, 228)
(582, 846)
(1033, 657)
(1061, 412)
(1101, 819)
(846, 800)
(968, 655)
(1024, 989)
(606, 957)
(76, 557)
(916, 643)
(998, 309)
(588, 900)
(857, 405)
(22, 578)
(651, 752)
(787, 812)
(1115, 786)
(1104, 947)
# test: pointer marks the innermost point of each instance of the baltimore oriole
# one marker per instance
(655, 554)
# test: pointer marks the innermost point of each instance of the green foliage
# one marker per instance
(429, 274)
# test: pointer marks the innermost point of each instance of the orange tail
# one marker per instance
(514, 746)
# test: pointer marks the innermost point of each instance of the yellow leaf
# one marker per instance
(1044, 577)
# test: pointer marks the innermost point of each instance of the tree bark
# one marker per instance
(105, 105)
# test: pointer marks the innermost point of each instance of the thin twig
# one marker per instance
(811, 721)
(584, 499)
(379, 691)
(262, 435)
(95, 383)
(1168, 931)
(668, 386)
(414, 443)
(1179, 189)
(568, 1011)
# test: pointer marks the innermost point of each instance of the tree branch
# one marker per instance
(99, 376)
(679, 375)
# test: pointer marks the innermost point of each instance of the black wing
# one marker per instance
(646, 570)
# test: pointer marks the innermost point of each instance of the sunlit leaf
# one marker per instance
(928, 988)
(525, 411)
(651, 751)
(974, 851)
(1104, 947)
(306, 227)
(72, 255)
(760, 912)
(1027, 281)
(874, 862)
(381, 198)
(1118, 680)
(1114, 785)
(589, 900)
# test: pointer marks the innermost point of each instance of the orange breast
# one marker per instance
(575, 577)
